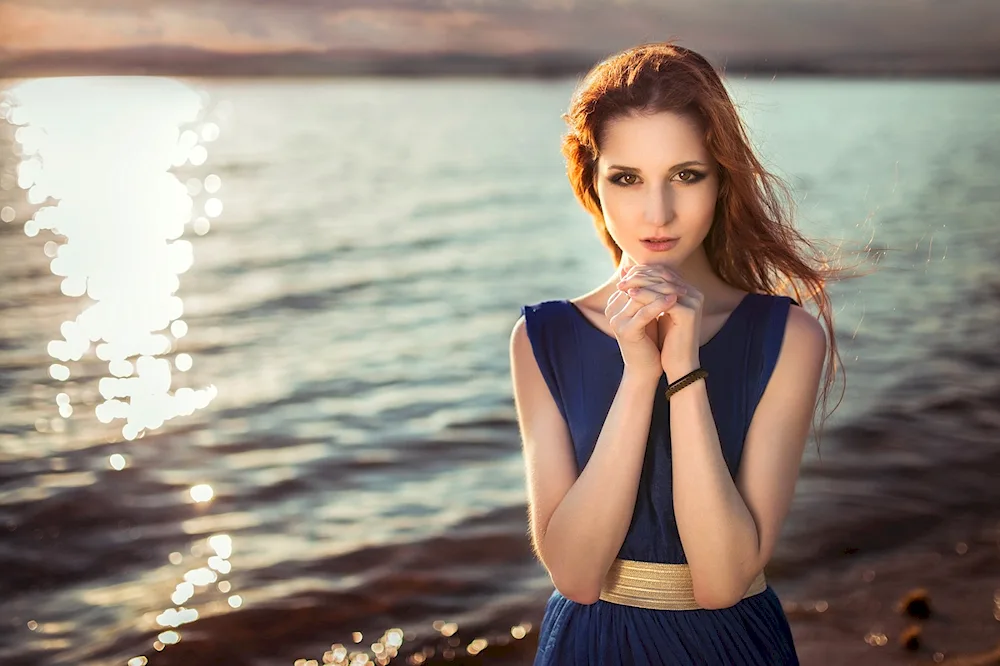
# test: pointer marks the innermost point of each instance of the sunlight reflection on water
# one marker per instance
(102, 173)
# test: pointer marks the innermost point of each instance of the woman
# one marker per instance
(664, 413)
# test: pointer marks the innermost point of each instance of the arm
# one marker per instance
(578, 523)
(729, 529)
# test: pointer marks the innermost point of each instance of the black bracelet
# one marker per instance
(689, 378)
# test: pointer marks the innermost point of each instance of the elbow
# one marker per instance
(715, 599)
(712, 601)
(580, 595)
(720, 591)
(570, 583)
(577, 591)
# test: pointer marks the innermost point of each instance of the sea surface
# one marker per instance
(312, 284)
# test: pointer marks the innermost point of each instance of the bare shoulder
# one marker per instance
(804, 335)
(520, 345)
(529, 384)
(520, 330)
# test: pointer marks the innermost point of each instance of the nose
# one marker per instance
(660, 206)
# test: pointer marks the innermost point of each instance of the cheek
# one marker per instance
(617, 206)
(698, 204)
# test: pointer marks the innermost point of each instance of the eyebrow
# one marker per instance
(682, 165)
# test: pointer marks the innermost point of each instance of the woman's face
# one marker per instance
(656, 179)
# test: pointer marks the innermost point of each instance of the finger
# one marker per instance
(646, 314)
(660, 288)
(650, 274)
(617, 304)
(688, 301)
(648, 294)
(634, 268)
(635, 275)
(665, 271)
(638, 269)
(658, 270)
(655, 273)
(616, 301)
(631, 306)
(656, 309)
(657, 304)
(646, 281)
(619, 320)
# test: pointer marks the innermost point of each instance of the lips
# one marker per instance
(659, 245)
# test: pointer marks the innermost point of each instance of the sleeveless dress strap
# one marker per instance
(542, 327)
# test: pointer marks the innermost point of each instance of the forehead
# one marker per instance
(652, 140)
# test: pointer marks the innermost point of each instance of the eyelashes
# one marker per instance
(618, 179)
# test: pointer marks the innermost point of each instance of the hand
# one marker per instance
(678, 330)
(634, 322)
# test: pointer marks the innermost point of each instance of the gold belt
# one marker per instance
(657, 585)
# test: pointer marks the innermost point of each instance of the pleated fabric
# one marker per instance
(582, 366)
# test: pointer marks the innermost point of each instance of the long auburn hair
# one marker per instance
(752, 244)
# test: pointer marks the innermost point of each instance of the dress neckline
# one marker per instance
(725, 325)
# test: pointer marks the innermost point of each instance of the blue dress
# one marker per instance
(582, 366)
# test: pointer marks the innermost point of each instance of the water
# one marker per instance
(351, 307)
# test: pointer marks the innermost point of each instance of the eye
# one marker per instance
(620, 179)
(695, 176)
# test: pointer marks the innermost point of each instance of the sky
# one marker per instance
(722, 27)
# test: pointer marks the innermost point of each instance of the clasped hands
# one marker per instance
(656, 316)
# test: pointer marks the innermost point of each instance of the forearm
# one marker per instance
(717, 531)
(588, 527)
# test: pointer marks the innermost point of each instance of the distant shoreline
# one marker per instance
(188, 62)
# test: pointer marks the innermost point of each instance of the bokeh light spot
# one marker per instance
(210, 132)
(222, 544)
(169, 637)
(198, 156)
(202, 492)
(183, 362)
(212, 183)
(213, 207)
